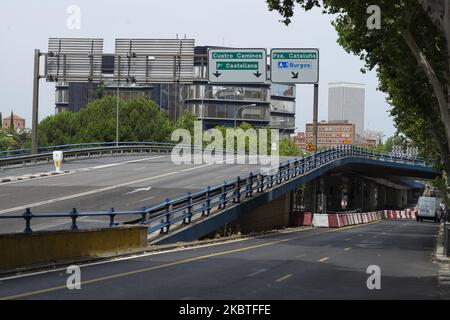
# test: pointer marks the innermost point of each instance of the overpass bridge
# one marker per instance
(97, 185)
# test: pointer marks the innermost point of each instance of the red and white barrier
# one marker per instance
(340, 220)
(407, 214)
(321, 221)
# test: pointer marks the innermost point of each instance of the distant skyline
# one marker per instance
(27, 25)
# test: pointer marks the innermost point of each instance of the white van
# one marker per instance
(429, 209)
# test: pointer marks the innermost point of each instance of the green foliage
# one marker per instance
(415, 109)
(14, 140)
(186, 121)
(140, 120)
(59, 129)
(397, 140)
(289, 149)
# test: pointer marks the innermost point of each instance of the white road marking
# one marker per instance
(80, 170)
(283, 278)
(83, 194)
(137, 190)
(91, 192)
(257, 272)
(147, 199)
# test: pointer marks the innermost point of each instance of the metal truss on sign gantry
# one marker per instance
(146, 61)
(74, 60)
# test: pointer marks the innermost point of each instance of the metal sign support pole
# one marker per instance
(315, 116)
(35, 112)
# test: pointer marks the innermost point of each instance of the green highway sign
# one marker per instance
(295, 66)
(237, 65)
(229, 66)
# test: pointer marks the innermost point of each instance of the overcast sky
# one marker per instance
(26, 25)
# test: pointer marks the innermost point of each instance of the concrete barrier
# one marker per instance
(19, 250)
(301, 219)
(307, 219)
(321, 221)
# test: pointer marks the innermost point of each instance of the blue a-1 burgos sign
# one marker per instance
(293, 65)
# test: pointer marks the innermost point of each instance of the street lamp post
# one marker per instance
(236, 110)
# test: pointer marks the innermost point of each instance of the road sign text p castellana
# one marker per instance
(233, 66)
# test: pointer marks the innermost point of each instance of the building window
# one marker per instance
(62, 96)
(283, 106)
(282, 90)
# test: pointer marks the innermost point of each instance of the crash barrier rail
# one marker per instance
(87, 150)
(174, 213)
(78, 146)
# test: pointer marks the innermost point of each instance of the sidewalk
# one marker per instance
(440, 256)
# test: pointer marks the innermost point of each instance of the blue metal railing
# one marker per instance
(181, 211)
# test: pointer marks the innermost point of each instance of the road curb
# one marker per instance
(33, 176)
(439, 253)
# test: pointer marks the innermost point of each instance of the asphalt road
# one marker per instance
(309, 264)
(99, 184)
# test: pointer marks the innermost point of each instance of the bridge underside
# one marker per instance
(345, 184)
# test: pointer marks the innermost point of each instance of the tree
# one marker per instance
(140, 120)
(11, 123)
(289, 149)
(187, 121)
(60, 129)
(410, 52)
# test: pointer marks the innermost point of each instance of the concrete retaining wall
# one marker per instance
(18, 250)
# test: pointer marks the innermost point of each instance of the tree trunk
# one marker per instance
(437, 87)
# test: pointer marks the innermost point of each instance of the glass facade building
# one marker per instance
(260, 105)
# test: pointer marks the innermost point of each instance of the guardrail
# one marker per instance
(5, 154)
(86, 150)
(165, 216)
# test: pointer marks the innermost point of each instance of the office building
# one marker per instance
(346, 102)
(330, 134)
(261, 105)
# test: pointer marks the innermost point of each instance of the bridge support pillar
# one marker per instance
(390, 195)
(275, 214)
(372, 196)
(308, 197)
(382, 198)
(333, 188)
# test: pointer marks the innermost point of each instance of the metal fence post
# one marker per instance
(224, 195)
(112, 215)
(250, 186)
(237, 191)
(143, 215)
(27, 215)
(165, 229)
(207, 206)
(189, 212)
(74, 216)
(261, 183)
